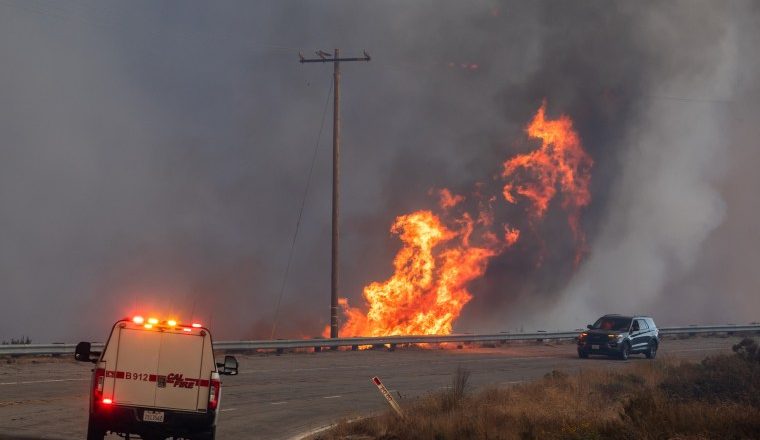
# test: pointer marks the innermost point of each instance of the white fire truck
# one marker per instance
(155, 379)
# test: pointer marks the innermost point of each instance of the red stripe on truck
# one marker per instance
(153, 378)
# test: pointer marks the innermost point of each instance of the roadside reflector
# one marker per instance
(138, 320)
(152, 321)
(172, 323)
(107, 401)
(384, 391)
(196, 325)
(187, 329)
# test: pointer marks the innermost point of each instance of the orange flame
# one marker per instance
(436, 262)
(428, 289)
(560, 163)
(448, 199)
(511, 235)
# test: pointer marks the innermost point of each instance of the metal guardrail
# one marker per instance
(285, 344)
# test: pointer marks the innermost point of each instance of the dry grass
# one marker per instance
(718, 398)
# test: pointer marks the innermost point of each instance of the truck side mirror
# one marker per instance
(230, 365)
(83, 352)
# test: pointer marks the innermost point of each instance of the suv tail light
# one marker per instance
(213, 394)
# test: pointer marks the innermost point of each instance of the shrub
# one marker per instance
(717, 379)
(459, 384)
(747, 350)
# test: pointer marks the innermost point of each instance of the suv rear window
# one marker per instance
(614, 323)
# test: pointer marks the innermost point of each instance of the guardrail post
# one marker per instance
(317, 349)
(354, 348)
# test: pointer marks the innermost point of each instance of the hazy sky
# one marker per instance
(154, 155)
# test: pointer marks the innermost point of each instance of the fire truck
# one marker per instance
(156, 379)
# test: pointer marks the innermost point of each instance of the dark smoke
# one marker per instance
(154, 155)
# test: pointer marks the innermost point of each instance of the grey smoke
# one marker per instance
(657, 251)
(153, 155)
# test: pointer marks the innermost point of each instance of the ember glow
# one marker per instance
(442, 253)
(449, 200)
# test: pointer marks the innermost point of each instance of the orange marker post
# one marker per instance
(384, 391)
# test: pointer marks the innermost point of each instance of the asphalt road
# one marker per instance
(284, 397)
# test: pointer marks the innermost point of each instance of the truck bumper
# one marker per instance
(129, 419)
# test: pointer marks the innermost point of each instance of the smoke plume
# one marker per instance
(153, 157)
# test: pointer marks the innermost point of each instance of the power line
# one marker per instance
(300, 213)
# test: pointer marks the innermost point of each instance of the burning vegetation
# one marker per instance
(443, 251)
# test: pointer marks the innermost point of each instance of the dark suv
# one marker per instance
(620, 336)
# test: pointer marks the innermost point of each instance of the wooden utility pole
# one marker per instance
(325, 57)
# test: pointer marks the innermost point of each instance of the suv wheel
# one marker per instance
(583, 354)
(625, 351)
(652, 351)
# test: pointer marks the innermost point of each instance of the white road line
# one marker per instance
(331, 397)
(27, 382)
(229, 409)
(278, 403)
(316, 431)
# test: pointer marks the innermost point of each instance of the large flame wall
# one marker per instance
(443, 252)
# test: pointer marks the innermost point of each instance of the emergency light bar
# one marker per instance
(172, 323)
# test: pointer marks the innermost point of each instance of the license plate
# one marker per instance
(595, 347)
(153, 416)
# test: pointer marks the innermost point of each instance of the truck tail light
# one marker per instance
(107, 401)
(213, 394)
(98, 383)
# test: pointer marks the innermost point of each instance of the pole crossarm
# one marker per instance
(325, 57)
(332, 60)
